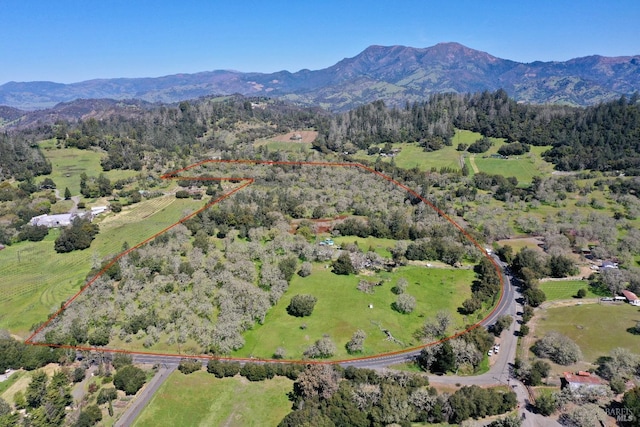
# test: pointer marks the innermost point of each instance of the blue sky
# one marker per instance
(70, 40)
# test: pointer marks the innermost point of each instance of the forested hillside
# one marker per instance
(605, 137)
(20, 157)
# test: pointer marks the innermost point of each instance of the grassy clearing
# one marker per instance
(36, 279)
(520, 243)
(596, 328)
(8, 383)
(68, 163)
(291, 147)
(524, 168)
(217, 402)
(20, 381)
(342, 309)
(565, 289)
(380, 246)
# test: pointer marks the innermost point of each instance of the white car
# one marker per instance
(490, 353)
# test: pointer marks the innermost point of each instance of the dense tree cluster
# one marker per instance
(20, 156)
(78, 235)
(480, 146)
(600, 138)
(129, 379)
(45, 399)
(485, 288)
(361, 397)
(158, 134)
(559, 348)
(15, 355)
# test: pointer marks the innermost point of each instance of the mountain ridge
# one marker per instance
(395, 74)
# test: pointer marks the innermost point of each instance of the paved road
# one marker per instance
(499, 373)
(138, 404)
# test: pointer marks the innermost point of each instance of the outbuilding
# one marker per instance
(583, 379)
(631, 297)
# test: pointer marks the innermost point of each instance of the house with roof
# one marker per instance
(59, 220)
(583, 380)
(631, 297)
(97, 210)
(52, 221)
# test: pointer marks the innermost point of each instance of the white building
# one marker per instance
(59, 220)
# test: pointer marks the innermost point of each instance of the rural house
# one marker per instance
(583, 380)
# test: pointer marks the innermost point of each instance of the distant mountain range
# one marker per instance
(395, 74)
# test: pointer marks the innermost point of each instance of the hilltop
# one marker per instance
(395, 74)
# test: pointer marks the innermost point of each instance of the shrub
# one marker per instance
(121, 359)
(115, 207)
(280, 353)
(106, 395)
(223, 369)
(480, 146)
(188, 366)
(301, 305)
(305, 269)
(322, 348)
(89, 416)
(501, 324)
(558, 348)
(78, 374)
(356, 344)
(129, 379)
(343, 265)
(256, 371)
(405, 303)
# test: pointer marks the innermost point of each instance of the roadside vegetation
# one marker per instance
(291, 395)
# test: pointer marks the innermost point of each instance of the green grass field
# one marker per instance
(200, 399)
(380, 246)
(6, 384)
(565, 289)
(291, 147)
(342, 309)
(524, 168)
(596, 328)
(36, 279)
(68, 163)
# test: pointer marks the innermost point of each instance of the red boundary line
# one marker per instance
(247, 182)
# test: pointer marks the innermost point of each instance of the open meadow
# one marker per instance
(341, 309)
(286, 143)
(201, 399)
(565, 289)
(524, 167)
(69, 163)
(596, 328)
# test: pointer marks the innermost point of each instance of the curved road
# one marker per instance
(499, 373)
